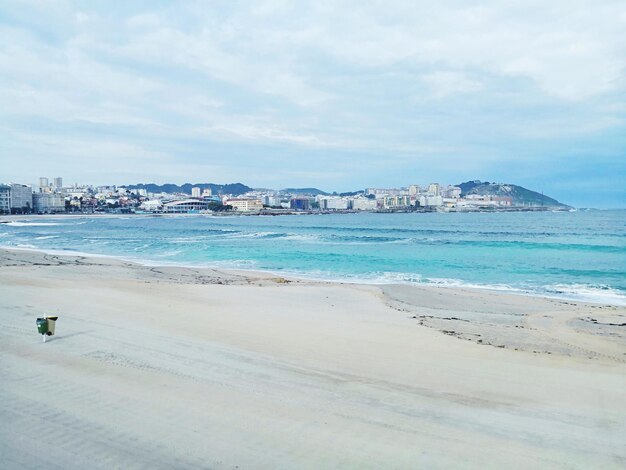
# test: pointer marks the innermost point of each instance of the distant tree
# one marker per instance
(219, 207)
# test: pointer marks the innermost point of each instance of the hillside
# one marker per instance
(232, 188)
(520, 195)
(304, 191)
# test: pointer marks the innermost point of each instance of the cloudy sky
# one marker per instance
(335, 94)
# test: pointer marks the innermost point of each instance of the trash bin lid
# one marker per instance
(52, 318)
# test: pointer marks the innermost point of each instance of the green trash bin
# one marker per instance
(42, 326)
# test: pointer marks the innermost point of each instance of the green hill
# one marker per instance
(520, 195)
(303, 191)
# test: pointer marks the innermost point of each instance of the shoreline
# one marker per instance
(287, 212)
(147, 362)
(615, 299)
(402, 297)
(278, 212)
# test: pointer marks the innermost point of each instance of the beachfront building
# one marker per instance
(272, 201)
(430, 201)
(300, 204)
(5, 199)
(245, 205)
(486, 200)
(185, 206)
(153, 205)
(21, 198)
(195, 192)
(58, 182)
(397, 202)
(363, 204)
(43, 182)
(333, 203)
(47, 203)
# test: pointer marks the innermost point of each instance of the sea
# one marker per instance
(576, 255)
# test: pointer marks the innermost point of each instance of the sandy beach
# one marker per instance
(166, 367)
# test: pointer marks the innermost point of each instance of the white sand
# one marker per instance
(168, 368)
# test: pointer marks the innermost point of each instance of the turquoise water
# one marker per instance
(573, 254)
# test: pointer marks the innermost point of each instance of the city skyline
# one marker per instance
(318, 95)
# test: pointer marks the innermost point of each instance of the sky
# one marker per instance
(339, 95)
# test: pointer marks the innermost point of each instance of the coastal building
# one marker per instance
(381, 192)
(140, 192)
(58, 182)
(333, 203)
(105, 189)
(185, 206)
(245, 205)
(488, 200)
(153, 205)
(363, 204)
(207, 192)
(452, 192)
(45, 203)
(430, 201)
(503, 201)
(195, 192)
(76, 193)
(5, 199)
(300, 204)
(43, 182)
(450, 202)
(433, 188)
(272, 201)
(397, 202)
(414, 189)
(21, 198)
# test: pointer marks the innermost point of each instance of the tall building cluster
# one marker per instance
(16, 198)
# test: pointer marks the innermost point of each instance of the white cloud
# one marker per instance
(445, 83)
(403, 79)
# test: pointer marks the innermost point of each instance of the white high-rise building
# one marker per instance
(363, 204)
(48, 202)
(21, 197)
(333, 203)
(433, 188)
(453, 192)
(414, 189)
(271, 201)
(430, 201)
(207, 192)
(43, 182)
(195, 192)
(58, 182)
